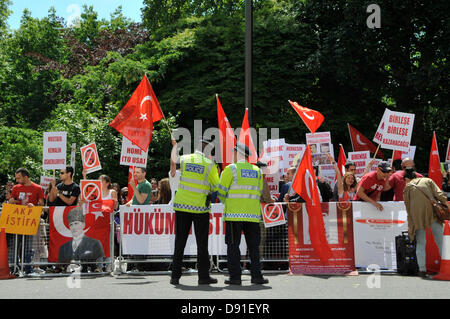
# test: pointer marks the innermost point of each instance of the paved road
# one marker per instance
(281, 286)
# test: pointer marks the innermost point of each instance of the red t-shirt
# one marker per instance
(27, 194)
(371, 184)
(398, 184)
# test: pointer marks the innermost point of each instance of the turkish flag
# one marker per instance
(304, 184)
(434, 168)
(245, 137)
(311, 118)
(341, 161)
(97, 226)
(226, 136)
(135, 120)
(362, 143)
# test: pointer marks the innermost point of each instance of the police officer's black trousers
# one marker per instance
(252, 235)
(183, 222)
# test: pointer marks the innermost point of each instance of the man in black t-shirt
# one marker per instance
(65, 193)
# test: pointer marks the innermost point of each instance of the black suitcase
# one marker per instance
(406, 255)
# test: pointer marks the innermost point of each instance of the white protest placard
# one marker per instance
(90, 159)
(378, 138)
(320, 145)
(395, 130)
(293, 154)
(361, 159)
(72, 155)
(54, 150)
(273, 156)
(45, 182)
(447, 157)
(132, 155)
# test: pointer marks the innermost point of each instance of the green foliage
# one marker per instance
(318, 53)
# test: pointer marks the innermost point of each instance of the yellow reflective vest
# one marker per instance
(240, 189)
(199, 177)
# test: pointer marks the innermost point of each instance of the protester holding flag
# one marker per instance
(417, 194)
(346, 186)
(143, 189)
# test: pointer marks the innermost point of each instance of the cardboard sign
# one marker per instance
(273, 214)
(395, 130)
(320, 145)
(89, 157)
(19, 219)
(132, 155)
(54, 150)
(45, 182)
(91, 190)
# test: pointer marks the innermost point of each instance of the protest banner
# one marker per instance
(395, 130)
(293, 154)
(375, 231)
(273, 156)
(361, 160)
(54, 150)
(45, 182)
(272, 214)
(150, 230)
(89, 157)
(20, 219)
(339, 232)
(132, 155)
(91, 190)
(97, 218)
(320, 144)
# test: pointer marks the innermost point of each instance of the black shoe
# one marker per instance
(237, 282)
(260, 281)
(207, 281)
(174, 281)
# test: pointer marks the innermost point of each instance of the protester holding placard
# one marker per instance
(27, 193)
(67, 191)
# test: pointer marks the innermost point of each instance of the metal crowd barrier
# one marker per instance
(31, 258)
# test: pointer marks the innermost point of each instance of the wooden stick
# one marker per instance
(376, 151)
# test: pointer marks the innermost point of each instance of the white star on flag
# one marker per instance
(143, 117)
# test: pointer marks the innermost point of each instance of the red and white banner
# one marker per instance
(54, 150)
(150, 230)
(90, 159)
(395, 130)
(303, 259)
(97, 227)
(272, 214)
(132, 155)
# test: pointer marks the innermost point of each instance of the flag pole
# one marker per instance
(349, 133)
(376, 151)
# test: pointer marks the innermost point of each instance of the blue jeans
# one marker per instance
(421, 241)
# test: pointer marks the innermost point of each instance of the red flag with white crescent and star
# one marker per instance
(97, 226)
(362, 143)
(312, 119)
(135, 120)
(304, 184)
(226, 136)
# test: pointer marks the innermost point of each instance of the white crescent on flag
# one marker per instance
(358, 139)
(308, 178)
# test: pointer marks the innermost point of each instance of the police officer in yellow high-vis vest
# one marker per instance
(240, 189)
(199, 177)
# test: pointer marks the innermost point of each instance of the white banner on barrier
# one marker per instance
(375, 231)
(150, 230)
